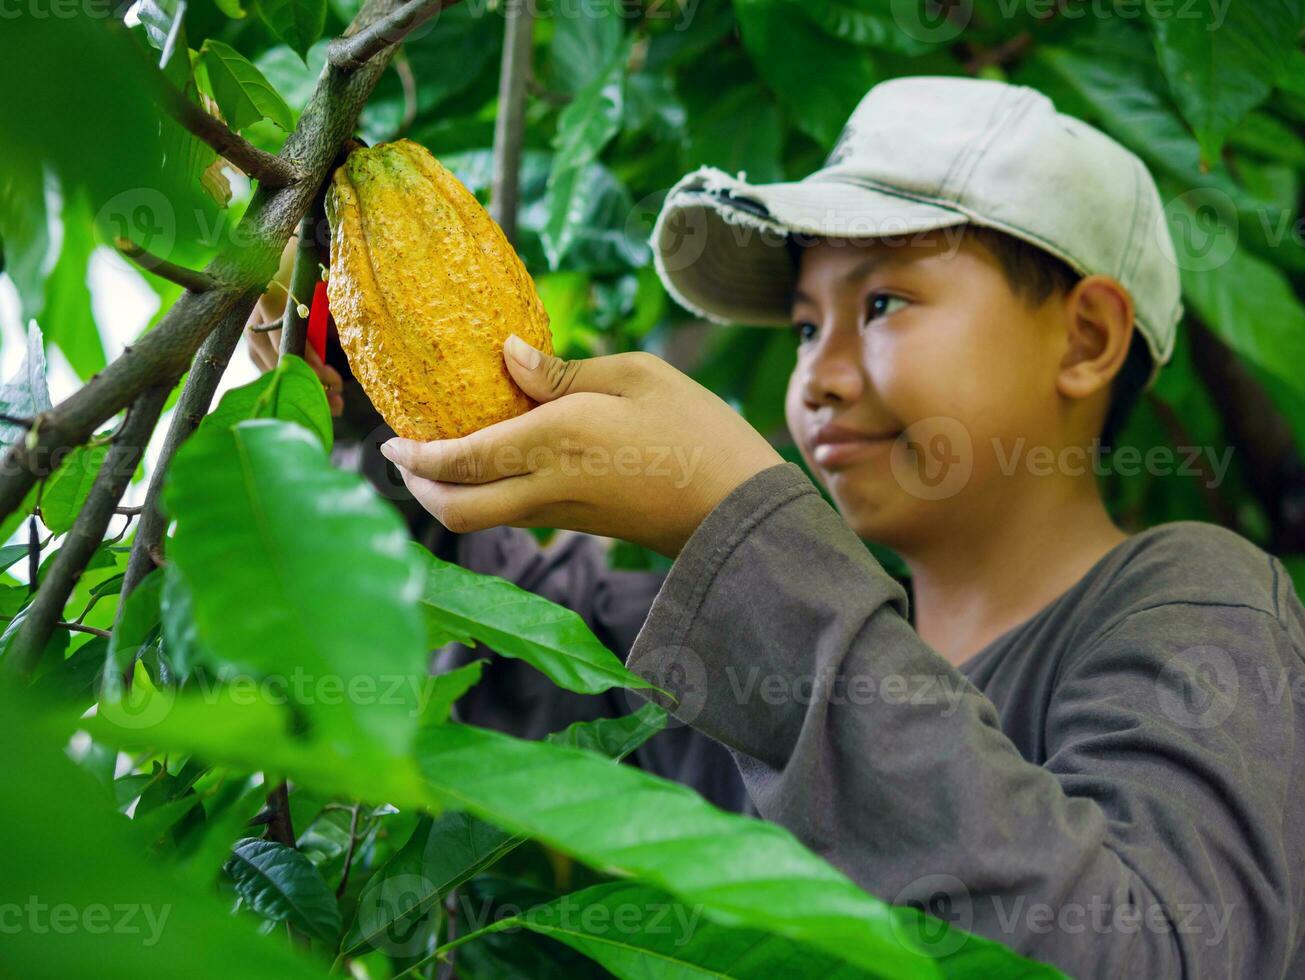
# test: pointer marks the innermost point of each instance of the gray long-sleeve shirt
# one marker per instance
(1114, 786)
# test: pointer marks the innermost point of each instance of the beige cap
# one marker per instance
(918, 154)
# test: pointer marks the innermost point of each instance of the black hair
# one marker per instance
(1037, 275)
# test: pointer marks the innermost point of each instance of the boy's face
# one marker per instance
(921, 348)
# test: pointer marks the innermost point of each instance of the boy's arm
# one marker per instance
(1141, 848)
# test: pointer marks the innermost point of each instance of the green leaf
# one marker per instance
(281, 884)
(447, 688)
(613, 737)
(10, 554)
(323, 586)
(784, 45)
(440, 855)
(584, 43)
(25, 227)
(140, 614)
(636, 932)
(296, 22)
(585, 126)
(180, 636)
(740, 871)
(1246, 301)
(443, 853)
(464, 606)
(241, 91)
(291, 391)
(67, 319)
(740, 131)
(27, 393)
(66, 491)
(72, 851)
(865, 22)
(1223, 60)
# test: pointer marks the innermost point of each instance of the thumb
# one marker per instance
(545, 377)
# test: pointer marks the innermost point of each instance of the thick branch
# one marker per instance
(196, 397)
(196, 282)
(87, 533)
(272, 172)
(166, 351)
(352, 51)
(510, 123)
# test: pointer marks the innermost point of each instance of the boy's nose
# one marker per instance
(832, 373)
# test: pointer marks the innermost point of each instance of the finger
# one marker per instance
(545, 377)
(509, 448)
(463, 508)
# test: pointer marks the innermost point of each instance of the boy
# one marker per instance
(1083, 745)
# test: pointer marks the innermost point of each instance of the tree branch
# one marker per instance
(196, 282)
(351, 52)
(83, 628)
(88, 532)
(508, 127)
(272, 172)
(280, 828)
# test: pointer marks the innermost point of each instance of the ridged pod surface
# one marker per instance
(425, 288)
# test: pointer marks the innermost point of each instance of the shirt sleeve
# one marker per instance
(1143, 847)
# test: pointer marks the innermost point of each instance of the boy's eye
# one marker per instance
(805, 330)
(881, 304)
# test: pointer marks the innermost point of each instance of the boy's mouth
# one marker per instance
(835, 445)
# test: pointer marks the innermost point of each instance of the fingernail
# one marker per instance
(387, 450)
(522, 353)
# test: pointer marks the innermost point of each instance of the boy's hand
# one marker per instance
(623, 446)
(265, 346)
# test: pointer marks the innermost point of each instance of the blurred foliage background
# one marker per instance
(628, 96)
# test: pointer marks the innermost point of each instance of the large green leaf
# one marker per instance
(1222, 60)
(241, 91)
(741, 130)
(463, 606)
(291, 391)
(638, 932)
(740, 871)
(296, 22)
(584, 43)
(443, 853)
(585, 126)
(298, 571)
(785, 45)
(281, 884)
(73, 860)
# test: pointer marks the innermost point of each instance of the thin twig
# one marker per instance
(83, 628)
(508, 127)
(196, 282)
(348, 855)
(351, 52)
(272, 172)
(403, 68)
(21, 420)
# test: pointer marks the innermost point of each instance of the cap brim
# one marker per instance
(718, 244)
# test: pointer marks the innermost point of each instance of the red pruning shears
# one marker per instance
(319, 312)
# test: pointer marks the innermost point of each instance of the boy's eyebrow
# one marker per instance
(856, 272)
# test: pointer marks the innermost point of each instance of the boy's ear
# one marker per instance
(1099, 329)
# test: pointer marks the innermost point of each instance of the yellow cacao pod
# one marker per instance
(425, 288)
